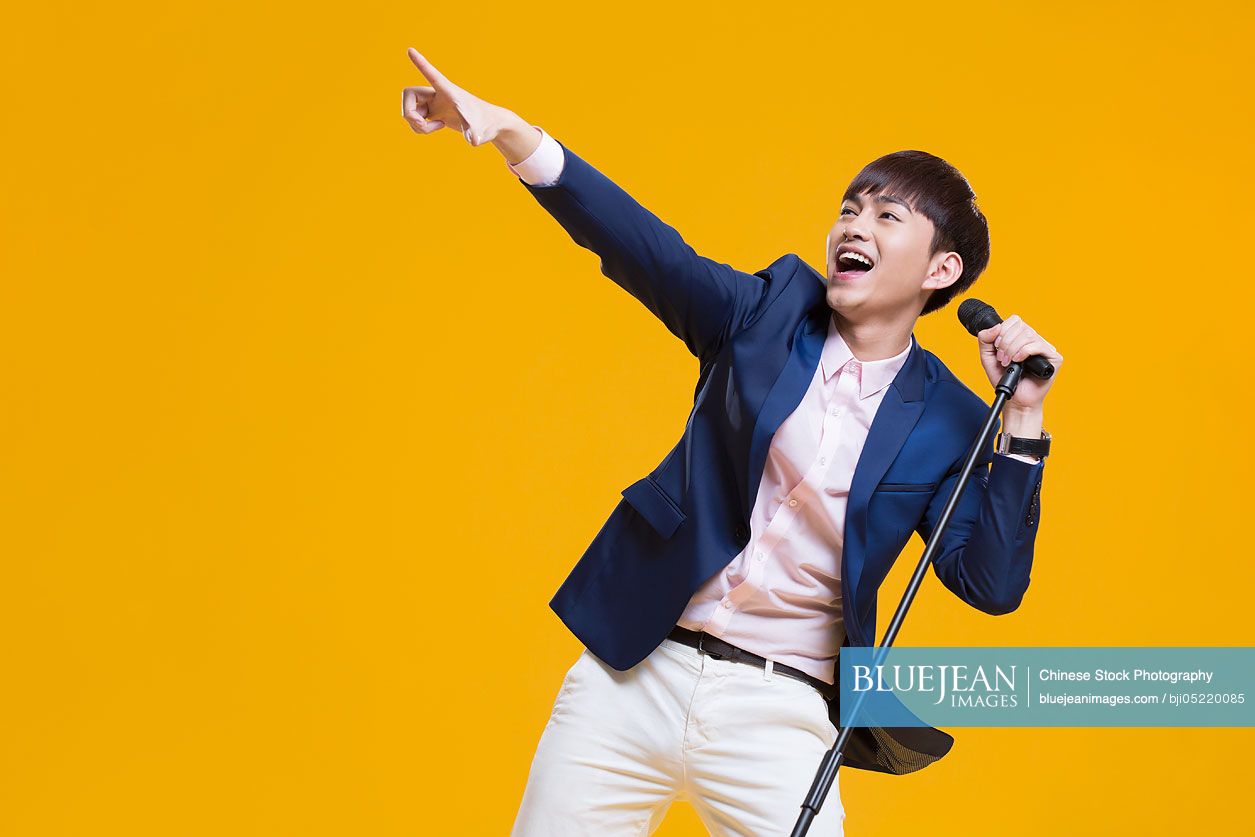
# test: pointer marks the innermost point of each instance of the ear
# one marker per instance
(944, 270)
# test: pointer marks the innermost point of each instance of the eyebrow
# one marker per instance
(887, 199)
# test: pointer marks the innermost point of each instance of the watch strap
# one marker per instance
(1027, 447)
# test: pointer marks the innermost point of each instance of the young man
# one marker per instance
(714, 600)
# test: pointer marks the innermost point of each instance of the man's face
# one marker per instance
(897, 240)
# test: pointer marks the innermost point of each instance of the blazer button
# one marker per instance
(742, 534)
(1034, 506)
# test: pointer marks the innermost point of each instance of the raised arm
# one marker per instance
(699, 300)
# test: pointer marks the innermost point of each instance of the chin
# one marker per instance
(844, 299)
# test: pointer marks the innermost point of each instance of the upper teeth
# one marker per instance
(852, 255)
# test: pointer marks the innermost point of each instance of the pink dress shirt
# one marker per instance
(781, 596)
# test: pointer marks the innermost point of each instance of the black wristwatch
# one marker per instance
(1029, 447)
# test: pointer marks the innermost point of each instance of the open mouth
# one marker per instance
(852, 265)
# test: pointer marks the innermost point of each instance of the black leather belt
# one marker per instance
(715, 647)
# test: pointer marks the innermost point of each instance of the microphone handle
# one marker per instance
(1039, 366)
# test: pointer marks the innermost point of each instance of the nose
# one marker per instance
(854, 229)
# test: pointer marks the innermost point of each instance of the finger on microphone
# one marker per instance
(1033, 347)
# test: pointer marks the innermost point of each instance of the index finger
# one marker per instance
(433, 75)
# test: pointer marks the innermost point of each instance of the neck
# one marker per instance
(874, 340)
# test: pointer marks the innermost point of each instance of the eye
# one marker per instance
(890, 214)
(847, 209)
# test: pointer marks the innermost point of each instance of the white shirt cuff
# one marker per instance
(544, 166)
(1030, 460)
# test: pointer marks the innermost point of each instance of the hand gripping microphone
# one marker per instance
(978, 316)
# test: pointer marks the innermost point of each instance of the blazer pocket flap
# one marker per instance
(906, 486)
(648, 498)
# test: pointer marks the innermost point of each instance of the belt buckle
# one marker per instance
(701, 639)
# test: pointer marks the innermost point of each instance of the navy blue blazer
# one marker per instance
(757, 338)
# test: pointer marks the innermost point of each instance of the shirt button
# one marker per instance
(760, 557)
(792, 502)
(822, 461)
(727, 604)
(835, 411)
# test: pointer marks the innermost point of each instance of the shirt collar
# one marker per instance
(875, 374)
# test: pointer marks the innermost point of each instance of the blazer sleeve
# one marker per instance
(986, 552)
(699, 300)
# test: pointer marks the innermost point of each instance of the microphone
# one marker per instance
(978, 316)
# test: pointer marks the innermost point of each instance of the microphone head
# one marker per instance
(977, 316)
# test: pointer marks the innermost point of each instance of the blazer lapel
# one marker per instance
(786, 393)
(896, 417)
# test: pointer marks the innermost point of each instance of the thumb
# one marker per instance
(475, 131)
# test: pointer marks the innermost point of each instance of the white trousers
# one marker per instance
(741, 745)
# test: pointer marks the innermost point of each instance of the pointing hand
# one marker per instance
(428, 109)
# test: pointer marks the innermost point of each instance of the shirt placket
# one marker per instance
(758, 552)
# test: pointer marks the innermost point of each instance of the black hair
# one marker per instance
(939, 192)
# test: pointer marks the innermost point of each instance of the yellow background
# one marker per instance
(306, 416)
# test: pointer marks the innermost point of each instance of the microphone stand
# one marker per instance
(832, 759)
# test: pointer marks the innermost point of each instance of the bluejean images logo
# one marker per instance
(1047, 687)
(975, 687)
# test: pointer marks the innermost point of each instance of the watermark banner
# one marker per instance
(1047, 687)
